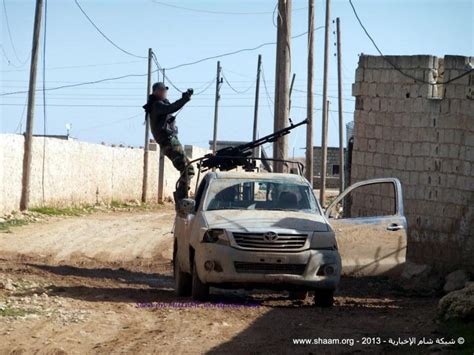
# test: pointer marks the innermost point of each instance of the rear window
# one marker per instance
(240, 194)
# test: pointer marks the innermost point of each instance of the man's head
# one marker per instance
(160, 90)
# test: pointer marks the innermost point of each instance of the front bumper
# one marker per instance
(225, 257)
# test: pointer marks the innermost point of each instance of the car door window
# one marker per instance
(371, 200)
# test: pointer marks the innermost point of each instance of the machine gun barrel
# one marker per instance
(230, 157)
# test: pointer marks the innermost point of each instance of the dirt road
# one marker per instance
(102, 283)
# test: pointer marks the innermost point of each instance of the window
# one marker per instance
(335, 169)
(242, 194)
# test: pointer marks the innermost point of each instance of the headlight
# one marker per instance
(214, 236)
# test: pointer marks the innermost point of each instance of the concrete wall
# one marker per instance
(424, 135)
(80, 173)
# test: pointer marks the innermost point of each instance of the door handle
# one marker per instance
(394, 227)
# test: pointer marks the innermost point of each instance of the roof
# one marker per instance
(256, 175)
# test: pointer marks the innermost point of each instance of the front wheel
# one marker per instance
(323, 298)
(182, 280)
(199, 290)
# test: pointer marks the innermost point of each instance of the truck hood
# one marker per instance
(259, 220)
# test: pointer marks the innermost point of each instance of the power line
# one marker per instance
(81, 84)
(76, 66)
(235, 90)
(22, 63)
(217, 12)
(104, 35)
(236, 52)
(396, 67)
(167, 69)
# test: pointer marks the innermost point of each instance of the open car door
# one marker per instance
(370, 227)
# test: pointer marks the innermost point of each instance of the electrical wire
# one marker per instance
(217, 12)
(104, 35)
(77, 66)
(80, 84)
(396, 67)
(7, 22)
(235, 90)
(154, 71)
(236, 51)
(163, 71)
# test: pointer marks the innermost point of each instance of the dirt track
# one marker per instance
(103, 283)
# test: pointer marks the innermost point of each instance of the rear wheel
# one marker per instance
(182, 280)
(199, 290)
(323, 298)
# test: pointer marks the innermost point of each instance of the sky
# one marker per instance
(187, 31)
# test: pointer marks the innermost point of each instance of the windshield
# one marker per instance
(242, 194)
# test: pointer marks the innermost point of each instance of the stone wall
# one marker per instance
(80, 173)
(424, 135)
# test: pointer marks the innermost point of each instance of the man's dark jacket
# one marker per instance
(162, 122)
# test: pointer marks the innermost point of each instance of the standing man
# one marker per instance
(165, 131)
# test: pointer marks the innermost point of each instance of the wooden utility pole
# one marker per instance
(161, 163)
(282, 80)
(309, 98)
(255, 111)
(340, 108)
(216, 106)
(25, 188)
(324, 131)
(147, 133)
(291, 91)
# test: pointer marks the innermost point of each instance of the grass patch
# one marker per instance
(455, 329)
(69, 211)
(7, 311)
(5, 226)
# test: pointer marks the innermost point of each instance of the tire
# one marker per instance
(324, 298)
(298, 295)
(182, 280)
(199, 290)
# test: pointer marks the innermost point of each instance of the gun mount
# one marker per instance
(231, 157)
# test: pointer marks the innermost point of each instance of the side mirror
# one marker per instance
(186, 206)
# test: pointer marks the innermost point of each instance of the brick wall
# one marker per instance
(424, 135)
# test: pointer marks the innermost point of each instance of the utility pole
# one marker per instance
(161, 162)
(147, 133)
(282, 78)
(216, 106)
(324, 131)
(309, 99)
(25, 188)
(255, 111)
(340, 108)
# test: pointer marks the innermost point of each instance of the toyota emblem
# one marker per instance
(270, 236)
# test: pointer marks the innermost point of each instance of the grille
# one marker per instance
(265, 268)
(283, 242)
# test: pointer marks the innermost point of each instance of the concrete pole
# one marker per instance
(282, 80)
(216, 106)
(25, 188)
(309, 102)
(147, 134)
(340, 108)
(324, 131)
(255, 111)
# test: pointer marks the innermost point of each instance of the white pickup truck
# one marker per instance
(266, 230)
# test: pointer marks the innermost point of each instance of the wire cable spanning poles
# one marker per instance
(104, 35)
(393, 64)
